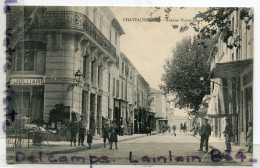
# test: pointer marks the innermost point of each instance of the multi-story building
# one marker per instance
(160, 106)
(68, 59)
(232, 79)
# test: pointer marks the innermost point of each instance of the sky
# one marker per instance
(148, 44)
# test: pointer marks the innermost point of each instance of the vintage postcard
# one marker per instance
(100, 85)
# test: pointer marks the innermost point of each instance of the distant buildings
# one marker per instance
(160, 105)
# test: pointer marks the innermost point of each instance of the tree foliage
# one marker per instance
(214, 20)
(183, 72)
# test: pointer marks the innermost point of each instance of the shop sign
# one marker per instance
(26, 81)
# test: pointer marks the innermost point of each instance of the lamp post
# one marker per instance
(76, 81)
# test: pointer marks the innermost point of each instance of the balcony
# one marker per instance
(66, 20)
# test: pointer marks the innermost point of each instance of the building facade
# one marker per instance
(160, 105)
(68, 59)
(232, 79)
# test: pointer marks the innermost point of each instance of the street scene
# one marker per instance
(129, 85)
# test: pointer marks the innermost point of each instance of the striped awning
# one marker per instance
(230, 69)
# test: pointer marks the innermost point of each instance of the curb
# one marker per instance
(94, 146)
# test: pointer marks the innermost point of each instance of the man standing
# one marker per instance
(73, 127)
(82, 131)
(105, 134)
(205, 133)
(228, 134)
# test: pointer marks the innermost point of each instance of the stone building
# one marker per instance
(232, 79)
(68, 59)
(160, 105)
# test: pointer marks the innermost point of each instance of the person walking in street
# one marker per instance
(113, 138)
(228, 134)
(73, 127)
(181, 127)
(105, 134)
(250, 137)
(82, 131)
(89, 139)
(174, 129)
(205, 133)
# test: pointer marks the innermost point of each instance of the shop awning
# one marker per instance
(230, 69)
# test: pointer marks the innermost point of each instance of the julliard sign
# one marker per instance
(26, 81)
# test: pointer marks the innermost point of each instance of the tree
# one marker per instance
(212, 21)
(183, 72)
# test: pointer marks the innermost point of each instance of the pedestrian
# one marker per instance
(113, 138)
(174, 129)
(181, 127)
(205, 133)
(250, 137)
(82, 131)
(228, 134)
(73, 127)
(89, 138)
(105, 134)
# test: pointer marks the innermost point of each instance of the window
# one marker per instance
(114, 86)
(131, 75)
(123, 67)
(84, 67)
(117, 62)
(122, 89)
(152, 100)
(126, 70)
(116, 38)
(232, 57)
(28, 56)
(109, 82)
(92, 71)
(237, 54)
(126, 91)
(117, 88)
(99, 75)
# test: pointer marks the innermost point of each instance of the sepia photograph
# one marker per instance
(106, 85)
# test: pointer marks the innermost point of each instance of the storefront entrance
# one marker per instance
(27, 101)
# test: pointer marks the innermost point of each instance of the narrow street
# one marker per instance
(173, 150)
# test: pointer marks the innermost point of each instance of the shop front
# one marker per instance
(232, 97)
(27, 98)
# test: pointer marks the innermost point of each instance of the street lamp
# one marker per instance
(76, 81)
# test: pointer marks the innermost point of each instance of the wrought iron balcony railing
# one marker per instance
(66, 20)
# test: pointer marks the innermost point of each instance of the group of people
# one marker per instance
(183, 127)
(80, 129)
(228, 133)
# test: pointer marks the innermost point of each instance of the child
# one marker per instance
(113, 138)
(89, 138)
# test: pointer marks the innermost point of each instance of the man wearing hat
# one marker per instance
(228, 133)
(205, 133)
(82, 131)
(73, 127)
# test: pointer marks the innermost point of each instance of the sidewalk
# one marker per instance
(56, 147)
